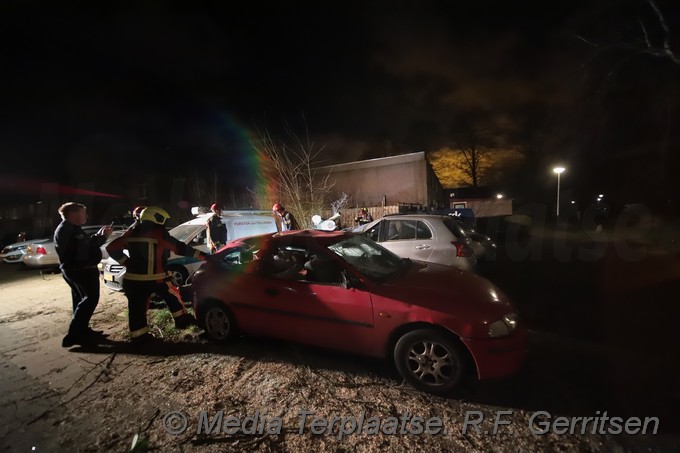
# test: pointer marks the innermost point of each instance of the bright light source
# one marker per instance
(499, 195)
(573, 202)
(194, 210)
(558, 171)
(601, 196)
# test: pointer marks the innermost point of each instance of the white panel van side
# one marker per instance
(194, 232)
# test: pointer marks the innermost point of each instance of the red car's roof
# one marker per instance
(319, 235)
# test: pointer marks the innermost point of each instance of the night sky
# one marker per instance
(105, 94)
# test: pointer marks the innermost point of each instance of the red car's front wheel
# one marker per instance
(430, 360)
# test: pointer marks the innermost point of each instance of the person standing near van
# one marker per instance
(217, 230)
(149, 246)
(288, 222)
(79, 255)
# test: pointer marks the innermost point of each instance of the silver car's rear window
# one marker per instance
(454, 227)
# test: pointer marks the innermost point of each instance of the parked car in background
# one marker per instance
(44, 254)
(14, 253)
(484, 247)
(437, 324)
(424, 237)
(194, 232)
(105, 253)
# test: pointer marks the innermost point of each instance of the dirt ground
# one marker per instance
(57, 399)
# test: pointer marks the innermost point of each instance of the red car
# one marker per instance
(343, 291)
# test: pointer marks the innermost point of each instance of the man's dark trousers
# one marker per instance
(84, 283)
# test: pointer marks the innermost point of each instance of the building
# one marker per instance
(484, 201)
(404, 179)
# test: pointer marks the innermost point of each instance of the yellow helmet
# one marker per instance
(154, 214)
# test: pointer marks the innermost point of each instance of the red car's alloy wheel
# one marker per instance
(430, 360)
(218, 322)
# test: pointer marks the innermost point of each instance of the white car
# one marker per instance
(14, 253)
(194, 232)
(43, 254)
(430, 238)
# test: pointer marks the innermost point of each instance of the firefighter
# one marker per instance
(363, 217)
(217, 230)
(149, 246)
(288, 221)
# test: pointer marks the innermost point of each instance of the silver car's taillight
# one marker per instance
(462, 250)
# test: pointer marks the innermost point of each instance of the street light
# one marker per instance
(559, 171)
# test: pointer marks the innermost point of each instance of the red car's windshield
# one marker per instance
(369, 258)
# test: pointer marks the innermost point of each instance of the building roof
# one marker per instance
(379, 162)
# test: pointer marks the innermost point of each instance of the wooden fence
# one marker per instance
(347, 215)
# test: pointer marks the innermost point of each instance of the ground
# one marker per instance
(58, 399)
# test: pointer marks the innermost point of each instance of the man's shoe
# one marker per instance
(95, 333)
(143, 339)
(68, 341)
(71, 340)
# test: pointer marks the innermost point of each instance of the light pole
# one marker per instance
(559, 171)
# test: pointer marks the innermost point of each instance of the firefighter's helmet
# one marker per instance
(214, 207)
(137, 212)
(277, 207)
(154, 214)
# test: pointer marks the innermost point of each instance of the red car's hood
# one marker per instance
(447, 289)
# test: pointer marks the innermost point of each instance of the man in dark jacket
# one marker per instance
(79, 255)
(149, 246)
(217, 230)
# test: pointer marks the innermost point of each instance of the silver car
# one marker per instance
(431, 238)
(43, 254)
(14, 253)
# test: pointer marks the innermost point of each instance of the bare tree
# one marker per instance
(474, 164)
(287, 175)
(638, 33)
(203, 192)
(654, 39)
(473, 160)
(341, 203)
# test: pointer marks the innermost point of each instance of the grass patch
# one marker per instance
(162, 320)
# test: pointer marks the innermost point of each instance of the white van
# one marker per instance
(194, 232)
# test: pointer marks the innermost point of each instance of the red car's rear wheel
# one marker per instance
(217, 321)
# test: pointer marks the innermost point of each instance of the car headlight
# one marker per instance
(504, 326)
